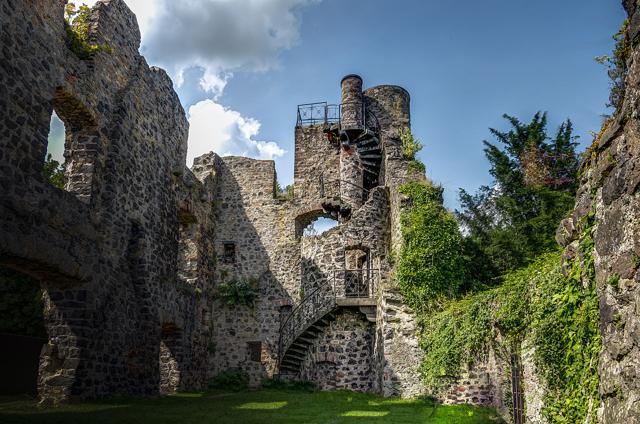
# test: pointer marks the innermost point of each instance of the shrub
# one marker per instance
(77, 28)
(238, 292)
(410, 146)
(233, 379)
(430, 264)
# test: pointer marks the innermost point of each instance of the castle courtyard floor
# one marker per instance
(267, 406)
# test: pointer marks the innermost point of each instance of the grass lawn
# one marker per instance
(260, 407)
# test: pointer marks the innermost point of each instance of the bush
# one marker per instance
(238, 292)
(233, 379)
(76, 20)
(430, 265)
(410, 146)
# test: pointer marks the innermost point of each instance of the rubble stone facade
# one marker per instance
(132, 255)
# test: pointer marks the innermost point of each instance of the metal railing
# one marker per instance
(347, 283)
(331, 188)
(324, 113)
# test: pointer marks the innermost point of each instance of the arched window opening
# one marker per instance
(319, 226)
(358, 272)
(53, 169)
(22, 332)
(79, 141)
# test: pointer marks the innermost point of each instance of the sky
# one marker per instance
(241, 67)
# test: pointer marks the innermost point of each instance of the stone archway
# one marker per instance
(170, 358)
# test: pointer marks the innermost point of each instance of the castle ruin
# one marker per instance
(132, 254)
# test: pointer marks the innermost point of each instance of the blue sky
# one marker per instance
(242, 66)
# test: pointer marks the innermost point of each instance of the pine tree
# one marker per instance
(512, 222)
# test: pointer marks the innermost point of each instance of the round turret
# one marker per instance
(352, 111)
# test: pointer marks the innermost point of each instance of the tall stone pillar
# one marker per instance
(352, 110)
(351, 123)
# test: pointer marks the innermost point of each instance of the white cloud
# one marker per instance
(216, 35)
(221, 35)
(224, 131)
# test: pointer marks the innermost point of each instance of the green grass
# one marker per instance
(260, 407)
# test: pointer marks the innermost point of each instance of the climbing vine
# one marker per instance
(558, 311)
(430, 266)
(410, 148)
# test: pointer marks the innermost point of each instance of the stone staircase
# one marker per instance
(316, 311)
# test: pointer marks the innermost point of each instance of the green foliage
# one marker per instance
(410, 145)
(186, 218)
(430, 266)
(20, 305)
(53, 172)
(617, 67)
(565, 316)
(559, 312)
(286, 193)
(239, 292)
(465, 331)
(77, 27)
(417, 167)
(233, 379)
(513, 222)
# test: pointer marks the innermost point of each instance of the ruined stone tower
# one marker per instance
(325, 313)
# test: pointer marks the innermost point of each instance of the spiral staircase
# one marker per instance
(347, 288)
(344, 288)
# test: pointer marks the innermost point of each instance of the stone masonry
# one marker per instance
(133, 254)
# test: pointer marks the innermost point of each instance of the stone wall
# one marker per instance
(341, 357)
(609, 187)
(131, 255)
(249, 217)
(397, 349)
(105, 249)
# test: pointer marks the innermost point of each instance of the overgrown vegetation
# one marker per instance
(53, 172)
(77, 27)
(410, 148)
(430, 267)
(504, 281)
(560, 315)
(513, 221)
(616, 64)
(285, 193)
(239, 292)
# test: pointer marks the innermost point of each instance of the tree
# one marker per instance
(53, 172)
(513, 221)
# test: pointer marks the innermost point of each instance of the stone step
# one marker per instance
(371, 156)
(363, 149)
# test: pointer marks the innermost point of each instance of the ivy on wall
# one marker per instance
(559, 312)
(430, 267)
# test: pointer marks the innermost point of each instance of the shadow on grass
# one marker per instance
(250, 407)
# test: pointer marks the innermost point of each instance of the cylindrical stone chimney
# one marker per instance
(352, 111)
